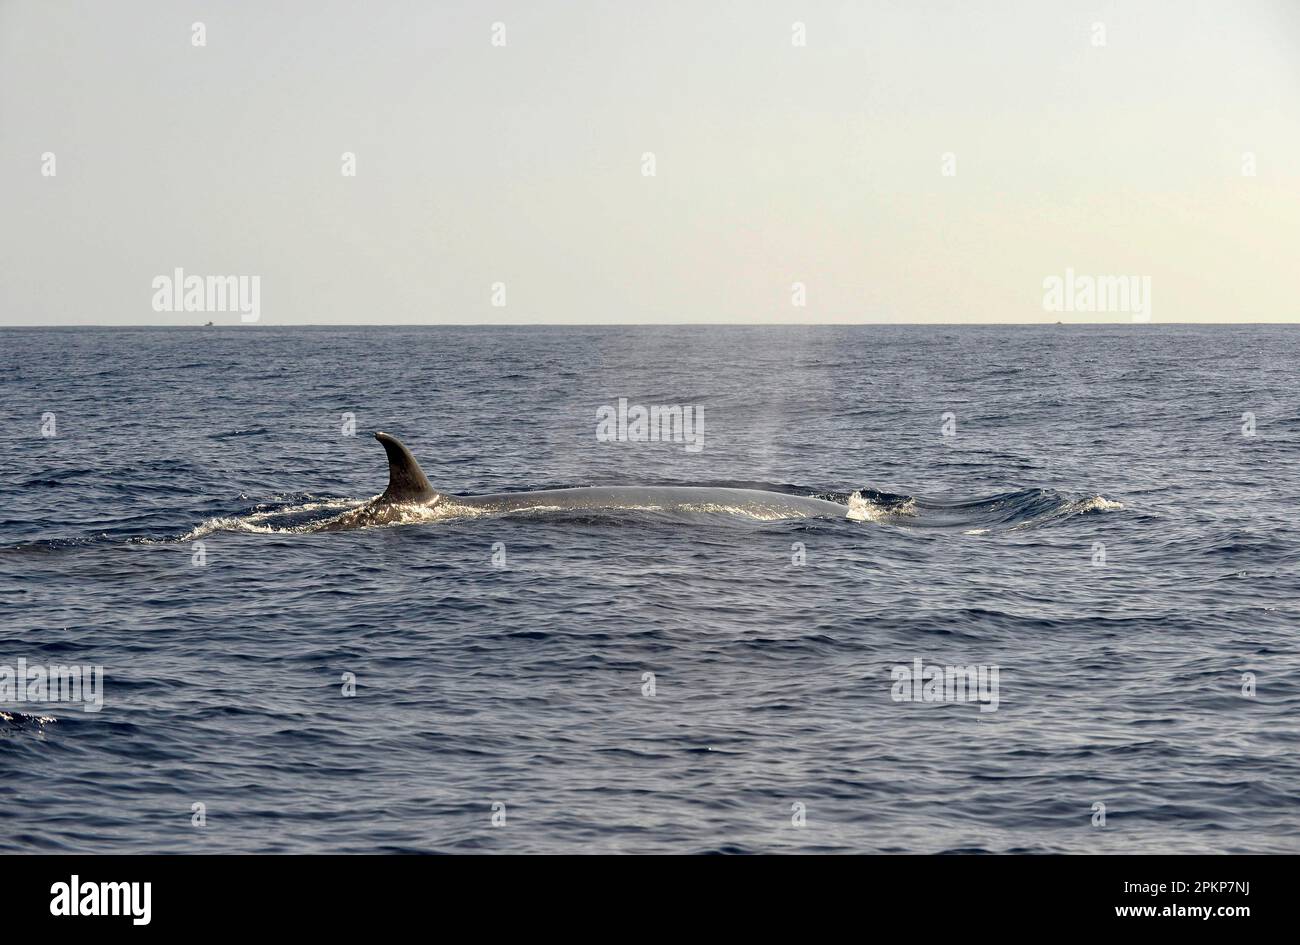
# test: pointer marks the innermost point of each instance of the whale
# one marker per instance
(409, 491)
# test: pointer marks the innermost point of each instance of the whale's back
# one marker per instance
(410, 496)
(755, 503)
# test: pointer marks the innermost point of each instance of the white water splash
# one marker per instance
(862, 509)
(265, 522)
(1098, 503)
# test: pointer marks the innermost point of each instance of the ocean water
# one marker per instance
(1102, 525)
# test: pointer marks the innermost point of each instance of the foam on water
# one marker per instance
(281, 520)
(864, 509)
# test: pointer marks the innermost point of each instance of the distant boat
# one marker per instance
(209, 324)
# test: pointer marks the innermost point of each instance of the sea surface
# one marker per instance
(1107, 515)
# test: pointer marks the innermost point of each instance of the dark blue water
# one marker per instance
(1120, 684)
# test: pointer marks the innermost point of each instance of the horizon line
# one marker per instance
(640, 324)
(799, 324)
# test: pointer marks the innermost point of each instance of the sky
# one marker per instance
(924, 161)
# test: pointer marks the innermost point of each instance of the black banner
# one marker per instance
(144, 895)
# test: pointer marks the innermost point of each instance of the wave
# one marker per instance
(235, 434)
(20, 720)
(288, 519)
(1004, 511)
(879, 507)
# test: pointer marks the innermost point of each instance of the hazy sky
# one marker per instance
(775, 163)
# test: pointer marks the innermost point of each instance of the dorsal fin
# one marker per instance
(406, 480)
